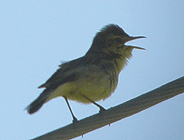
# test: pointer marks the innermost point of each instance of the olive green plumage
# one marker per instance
(92, 77)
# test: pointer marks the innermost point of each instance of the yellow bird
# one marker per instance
(92, 77)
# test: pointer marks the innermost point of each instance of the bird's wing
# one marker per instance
(66, 73)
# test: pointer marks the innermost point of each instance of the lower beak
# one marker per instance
(135, 47)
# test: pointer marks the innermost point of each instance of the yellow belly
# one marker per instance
(94, 89)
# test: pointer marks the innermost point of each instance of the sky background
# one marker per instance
(36, 36)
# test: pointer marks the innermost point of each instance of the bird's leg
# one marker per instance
(101, 108)
(74, 118)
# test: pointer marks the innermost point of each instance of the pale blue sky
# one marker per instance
(36, 36)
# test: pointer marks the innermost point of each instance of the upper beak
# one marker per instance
(136, 37)
(133, 38)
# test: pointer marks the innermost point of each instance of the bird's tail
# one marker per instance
(37, 104)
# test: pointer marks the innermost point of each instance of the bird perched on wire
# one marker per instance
(92, 77)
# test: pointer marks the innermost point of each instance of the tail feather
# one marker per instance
(38, 103)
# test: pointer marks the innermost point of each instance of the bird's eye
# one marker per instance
(118, 40)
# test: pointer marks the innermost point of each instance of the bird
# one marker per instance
(92, 77)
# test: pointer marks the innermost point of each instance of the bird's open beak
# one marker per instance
(133, 38)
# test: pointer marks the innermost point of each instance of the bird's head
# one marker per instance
(111, 41)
